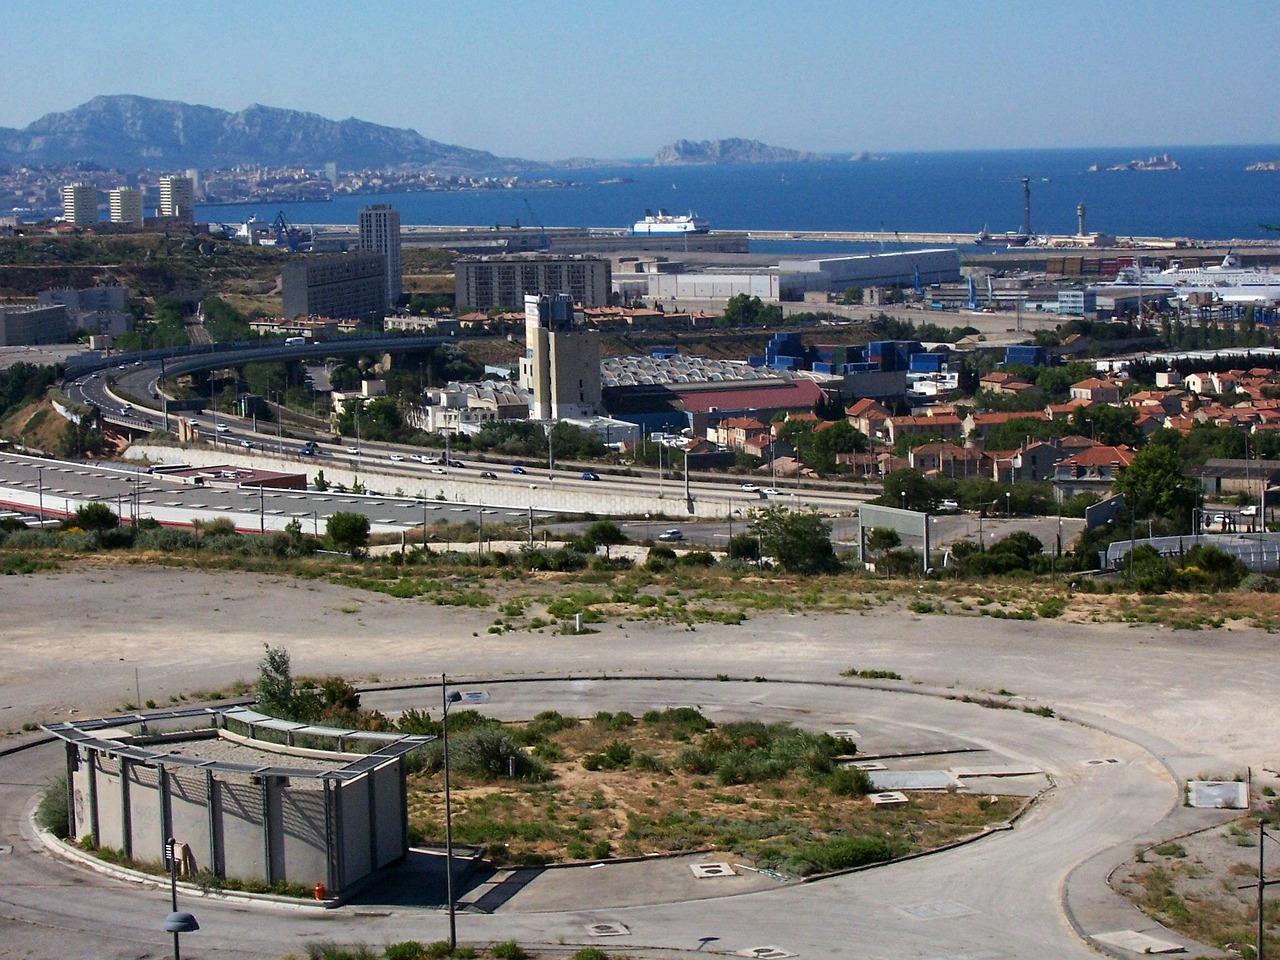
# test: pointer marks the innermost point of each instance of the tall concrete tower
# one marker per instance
(380, 233)
(80, 204)
(561, 365)
(178, 198)
(1080, 217)
(126, 206)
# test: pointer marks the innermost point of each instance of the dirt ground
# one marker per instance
(1199, 886)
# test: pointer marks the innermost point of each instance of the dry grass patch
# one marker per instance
(669, 782)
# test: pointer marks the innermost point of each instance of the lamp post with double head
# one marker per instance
(448, 698)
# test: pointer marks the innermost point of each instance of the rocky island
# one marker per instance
(733, 150)
(1159, 162)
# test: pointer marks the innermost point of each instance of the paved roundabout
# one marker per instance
(1164, 705)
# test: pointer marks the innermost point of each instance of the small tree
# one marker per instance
(275, 681)
(799, 540)
(881, 539)
(348, 532)
(603, 533)
(94, 516)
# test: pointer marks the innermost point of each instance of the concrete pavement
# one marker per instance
(1166, 704)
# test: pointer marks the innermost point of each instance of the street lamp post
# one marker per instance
(178, 921)
(448, 697)
(1008, 504)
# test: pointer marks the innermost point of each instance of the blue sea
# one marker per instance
(1211, 198)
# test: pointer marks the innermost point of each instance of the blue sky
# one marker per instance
(555, 79)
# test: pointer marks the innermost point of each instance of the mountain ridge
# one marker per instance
(129, 131)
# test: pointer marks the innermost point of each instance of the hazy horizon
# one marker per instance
(615, 80)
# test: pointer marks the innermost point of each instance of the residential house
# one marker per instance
(978, 425)
(1096, 390)
(868, 417)
(947, 459)
(1006, 385)
(1090, 471)
(947, 427)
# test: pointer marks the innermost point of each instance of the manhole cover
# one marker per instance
(705, 871)
(935, 910)
(844, 733)
(607, 929)
(766, 953)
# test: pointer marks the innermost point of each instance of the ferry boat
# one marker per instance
(1228, 281)
(663, 223)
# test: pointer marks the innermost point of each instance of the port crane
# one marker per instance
(1026, 199)
(286, 233)
(542, 233)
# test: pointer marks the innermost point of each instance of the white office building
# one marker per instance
(380, 233)
(126, 205)
(177, 198)
(80, 204)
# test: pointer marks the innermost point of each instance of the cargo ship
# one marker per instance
(663, 224)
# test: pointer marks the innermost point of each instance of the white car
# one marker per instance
(750, 488)
(671, 536)
(948, 506)
(396, 457)
(247, 444)
(439, 470)
(417, 458)
(769, 492)
(223, 428)
(354, 451)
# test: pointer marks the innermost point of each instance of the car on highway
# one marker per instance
(222, 428)
(750, 488)
(439, 470)
(247, 444)
(671, 536)
(589, 475)
(457, 464)
(396, 457)
(354, 451)
(521, 471)
(418, 457)
(305, 451)
(488, 475)
(770, 492)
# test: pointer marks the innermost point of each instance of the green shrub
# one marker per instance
(406, 950)
(52, 813)
(590, 953)
(508, 950)
(1051, 607)
(850, 782)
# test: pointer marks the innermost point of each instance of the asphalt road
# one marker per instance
(375, 458)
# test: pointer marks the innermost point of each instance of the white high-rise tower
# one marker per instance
(380, 233)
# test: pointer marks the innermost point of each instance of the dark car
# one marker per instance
(588, 475)
(488, 475)
(520, 470)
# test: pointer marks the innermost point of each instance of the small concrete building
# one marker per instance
(239, 791)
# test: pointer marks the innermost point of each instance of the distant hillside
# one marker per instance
(732, 150)
(133, 132)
